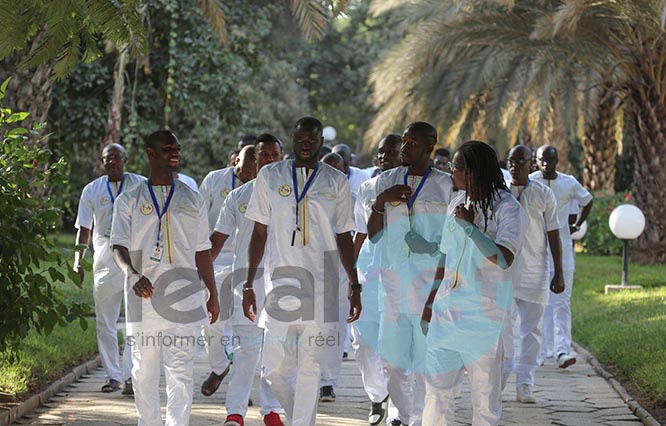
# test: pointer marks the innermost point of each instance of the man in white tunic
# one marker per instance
(531, 279)
(471, 297)
(406, 224)
(247, 336)
(366, 330)
(303, 221)
(355, 176)
(160, 242)
(215, 188)
(95, 214)
(557, 317)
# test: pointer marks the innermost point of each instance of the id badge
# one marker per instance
(107, 234)
(297, 238)
(157, 254)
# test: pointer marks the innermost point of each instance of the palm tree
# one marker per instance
(596, 59)
(625, 41)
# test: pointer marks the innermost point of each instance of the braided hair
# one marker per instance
(481, 163)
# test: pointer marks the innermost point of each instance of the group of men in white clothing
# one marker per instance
(282, 264)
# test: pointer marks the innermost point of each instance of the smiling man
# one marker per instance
(160, 241)
(302, 213)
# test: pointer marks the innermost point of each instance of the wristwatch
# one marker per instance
(358, 287)
(576, 227)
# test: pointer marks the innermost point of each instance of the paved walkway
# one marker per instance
(576, 396)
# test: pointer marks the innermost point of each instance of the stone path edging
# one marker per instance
(35, 401)
(633, 405)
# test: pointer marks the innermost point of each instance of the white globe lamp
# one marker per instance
(626, 222)
(329, 133)
(578, 235)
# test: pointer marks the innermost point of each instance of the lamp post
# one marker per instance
(329, 133)
(626, 222)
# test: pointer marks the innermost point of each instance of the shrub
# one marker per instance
(28, 258)
(599, 240)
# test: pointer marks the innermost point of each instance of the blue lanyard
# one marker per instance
(299, 198)
(411, 201)
(349, 174)
(157, 206)
(524, 188)
(120, 188)
(233, 180)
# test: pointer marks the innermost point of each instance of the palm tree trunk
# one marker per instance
(555, 134)
(648, 112)
(30, 91)
(114, 120)
(600, 145)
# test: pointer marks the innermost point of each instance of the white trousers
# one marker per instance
(107, 312)
(402, 349)
(445, 375)
(529, 318)
(218, 335)
(174, 349)
(292, 359)
(366, 341)
(247, 342)
(330, 369)
(557, 321)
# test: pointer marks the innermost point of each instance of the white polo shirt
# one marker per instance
(215, 187)
(531, 277)
(307, 260)
(95, 213)
(406, 277)
(179, 296)
(475, 295)
(567, 190)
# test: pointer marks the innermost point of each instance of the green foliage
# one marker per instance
(66, 31)
(599, 240)
(218, 93)
(624, 330)
(335, 72)
(28, 259)
(38, 360)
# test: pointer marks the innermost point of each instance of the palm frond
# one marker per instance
(312, 17)
(213, 11)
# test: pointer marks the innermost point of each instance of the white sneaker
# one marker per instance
(524, 394)
(565, 360)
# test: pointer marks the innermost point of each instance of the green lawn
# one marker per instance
(43, 359)
(626, 330)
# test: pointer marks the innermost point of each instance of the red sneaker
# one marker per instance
(234, 420)
(273, 419)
